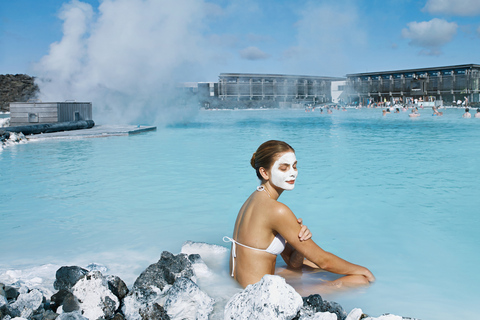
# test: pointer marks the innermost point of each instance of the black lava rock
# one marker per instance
(11, 293)
(49, 315)
(165, 271)
(70, 303)
(66, 299)
(117, 286)
(118, 316)
(2, 286)
(154, 312)
(66, 277)
(194, 257)
(4, 135)
(316, 303)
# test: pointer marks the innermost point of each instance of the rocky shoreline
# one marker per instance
(10, 138)
(167, 289)
(16, 88)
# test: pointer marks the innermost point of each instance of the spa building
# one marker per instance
(444, 85)
(271, 90)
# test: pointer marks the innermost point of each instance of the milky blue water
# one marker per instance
(395, 194)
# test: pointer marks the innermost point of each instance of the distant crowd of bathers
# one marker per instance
(415, 113)
(392, 107)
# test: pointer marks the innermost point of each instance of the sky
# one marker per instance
(118, 48)
(330, 38)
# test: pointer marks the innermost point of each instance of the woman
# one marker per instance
(263, 222)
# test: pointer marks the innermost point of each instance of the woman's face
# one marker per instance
(284, 171)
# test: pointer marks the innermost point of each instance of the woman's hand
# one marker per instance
(369, 275)
(304, 233)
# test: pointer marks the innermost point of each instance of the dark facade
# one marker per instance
(273, 89)
(447, 84)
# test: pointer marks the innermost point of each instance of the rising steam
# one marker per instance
(126, 58)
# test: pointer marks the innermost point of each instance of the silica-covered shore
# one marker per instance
(167, 289)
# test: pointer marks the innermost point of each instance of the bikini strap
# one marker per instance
(234, 250)
(234, 241)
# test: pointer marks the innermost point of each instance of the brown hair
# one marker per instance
(266, 153)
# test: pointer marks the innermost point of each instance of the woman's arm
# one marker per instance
(292, 257)
(284, 222)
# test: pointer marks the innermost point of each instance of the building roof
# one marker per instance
(278, 76)
(460, 66)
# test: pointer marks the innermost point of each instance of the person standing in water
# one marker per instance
(436, 112)
(266, 227)
(477, 115)
(467, 113)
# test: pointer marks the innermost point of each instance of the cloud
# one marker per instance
(253, 53)
(430, 35)
(453, 7)
(126, 57)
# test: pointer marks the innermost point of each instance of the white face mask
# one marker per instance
(284, 171)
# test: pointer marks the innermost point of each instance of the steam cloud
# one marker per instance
(326, 34)
(253, 53)
(126, 58)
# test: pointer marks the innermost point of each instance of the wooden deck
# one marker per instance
(97, 131)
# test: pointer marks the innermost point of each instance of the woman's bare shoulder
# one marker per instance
(280, 210)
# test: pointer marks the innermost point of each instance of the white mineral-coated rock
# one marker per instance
(355, 314)
(131, 307)
(270, 298)
(212, 254)
(71, 316)
(385, 317)
(324, 316)
(185, 300)
(23, 290)
(96, 300)
(27, 303)
(59, 310)
(135, 301)
(3, 301)
(319, 316)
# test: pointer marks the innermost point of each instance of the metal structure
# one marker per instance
(32, 113)
(274, 88)
(448, 84)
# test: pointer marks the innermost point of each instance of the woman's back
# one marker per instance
(252, 229)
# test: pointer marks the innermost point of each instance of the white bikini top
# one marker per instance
(276, 247)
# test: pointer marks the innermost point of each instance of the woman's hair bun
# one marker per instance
(265, 155)
(252, 161)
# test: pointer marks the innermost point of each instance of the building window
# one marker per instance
(33, 117)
